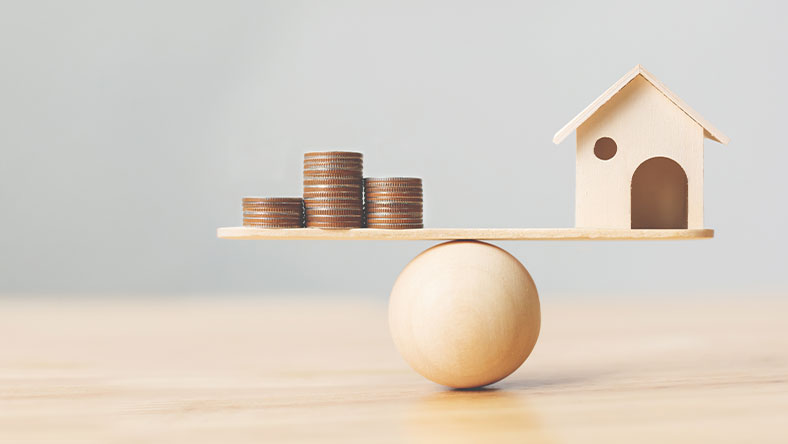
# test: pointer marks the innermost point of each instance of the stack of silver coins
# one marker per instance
(273, 212)
(393, 202)
(333, 195)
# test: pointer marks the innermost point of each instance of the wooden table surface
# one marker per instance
(231, 369)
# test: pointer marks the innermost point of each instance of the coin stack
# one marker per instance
(273, 212)
(393, 202)
(333, 196)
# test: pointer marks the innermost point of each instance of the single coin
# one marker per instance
(409, 223)
(336, 190)
(333, 181)
(394, 188)
(333, 154)
(286, 211)
(378, 197)
(416, 191)
(322, 197)
(399, 209)
(393, 179)
(372, 184)
(335, 223)
(314, 222)
(255, 215)
(311, 195)
(274, 204)
(265, 225)
(324, 208)
(332, 186)
(334, 207)
(404, 222)
(320, 202)
(396, 227)
(392, 196)
(394, 217)
(402, 190)
(272, 214)
(334, 220)
(295, 223)
(328, 186)
(409, 212)
(394, 201)
(392, 184)
(393, 206)
(338, 216)
(396, 193)
(318, 217)
(283, 206)
(335, 211)
(258, 215)
(271, 200)
(332, 174)
(355, 163)
(290, 208)
(357, 166)
(417, 215)
(325, 163)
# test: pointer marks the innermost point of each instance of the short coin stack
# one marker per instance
(273, 212)
(333, 196)
(393, 202)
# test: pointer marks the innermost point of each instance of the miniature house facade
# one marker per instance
(639, 161)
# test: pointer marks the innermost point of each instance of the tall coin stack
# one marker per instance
(393, 202)
(273, 212)
(333, 196)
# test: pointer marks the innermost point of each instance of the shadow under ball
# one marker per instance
(464, 314)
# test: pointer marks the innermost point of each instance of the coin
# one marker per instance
(271, 225)
(271, 199)
(334, 211)
(351, 163)
(332, 186)
(373, 195)
(392, 206)
(395, 226)
(394, 216)
(333, 154)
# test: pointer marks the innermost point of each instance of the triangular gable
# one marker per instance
(709, 131)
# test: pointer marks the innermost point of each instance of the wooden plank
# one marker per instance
(462, 233)
(324, 369)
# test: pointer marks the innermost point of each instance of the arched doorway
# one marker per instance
(659, 194)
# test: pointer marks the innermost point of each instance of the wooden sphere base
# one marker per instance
(464, 314)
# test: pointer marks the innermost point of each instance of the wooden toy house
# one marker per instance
(639, 157)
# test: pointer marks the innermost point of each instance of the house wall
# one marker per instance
(644, 124)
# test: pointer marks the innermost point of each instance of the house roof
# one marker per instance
(709, 131)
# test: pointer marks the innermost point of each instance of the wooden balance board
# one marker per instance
(502, 234)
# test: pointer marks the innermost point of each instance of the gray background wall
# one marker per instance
(130, 130)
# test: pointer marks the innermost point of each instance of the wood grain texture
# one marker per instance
(228, 369)
(462, 233)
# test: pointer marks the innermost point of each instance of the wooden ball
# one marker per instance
(464, 314)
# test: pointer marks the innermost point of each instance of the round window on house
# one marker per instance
(605, 148)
